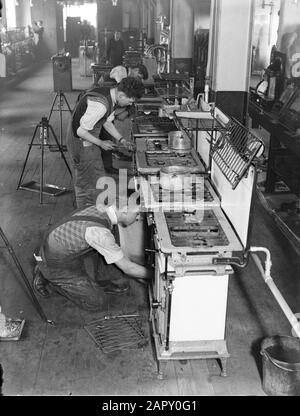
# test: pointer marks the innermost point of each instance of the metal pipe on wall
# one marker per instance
(169, 52)
(266, 275)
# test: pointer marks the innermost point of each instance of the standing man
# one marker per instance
(83, 238)
(115, 50)
(94, 111)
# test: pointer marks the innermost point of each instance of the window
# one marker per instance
(10, 8)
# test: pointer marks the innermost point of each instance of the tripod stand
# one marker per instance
(60, 98)
(44, 127)
(24, 277)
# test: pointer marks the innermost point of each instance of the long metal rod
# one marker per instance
(27, 156)
(65, 98)
(60, 119)
(25, 279)
(42, 166)
(169, 307)
(52, 106)
(60, 96)
(60, 149)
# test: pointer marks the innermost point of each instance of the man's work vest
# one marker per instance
(69, 233)
(102, 95)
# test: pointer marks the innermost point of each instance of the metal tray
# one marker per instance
(48, 189)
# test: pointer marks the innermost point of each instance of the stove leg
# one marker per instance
(223, 367)
(160, 369)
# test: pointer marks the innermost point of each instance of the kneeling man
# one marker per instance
(85, 238)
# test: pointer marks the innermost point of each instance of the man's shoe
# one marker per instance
(40, 285)
(116, 289)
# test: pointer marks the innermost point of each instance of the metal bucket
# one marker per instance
(281, 366)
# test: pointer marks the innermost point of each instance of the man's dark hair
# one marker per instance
(132, 87)
(142, 70)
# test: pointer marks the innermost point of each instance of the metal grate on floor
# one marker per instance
(119, 332)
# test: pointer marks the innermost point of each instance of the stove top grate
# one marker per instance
(186, 231)
(152, 125)
(170, 158)
(190, 194)
(172, 91)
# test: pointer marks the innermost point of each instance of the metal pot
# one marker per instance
(179, 140)
(174, 178)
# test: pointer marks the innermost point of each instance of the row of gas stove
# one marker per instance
(198, 218)
(189, 236)
(186, 211)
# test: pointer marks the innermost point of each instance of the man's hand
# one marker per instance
(107, 145)
(128, 145)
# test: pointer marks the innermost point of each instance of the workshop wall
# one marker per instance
(109, 16)
(264, 35)
(182, 35)
(46, 11)
(289, 32)
(289, 19)
(23, 13)
(230, 66)
(202, 15)
(130, 15)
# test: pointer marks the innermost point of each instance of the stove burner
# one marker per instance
(153, 125)
(170, 159)
(186, 230)
(191, 193)
(157, 145)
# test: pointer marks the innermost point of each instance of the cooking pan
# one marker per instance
(179, 140)
(175, 178)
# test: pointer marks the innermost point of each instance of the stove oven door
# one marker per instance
(194, 310)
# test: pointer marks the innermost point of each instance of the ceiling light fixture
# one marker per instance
(114, 2)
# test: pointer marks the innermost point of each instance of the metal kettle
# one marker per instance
(179, 140)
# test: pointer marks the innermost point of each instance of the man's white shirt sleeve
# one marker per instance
(102, 240)
(95, 111)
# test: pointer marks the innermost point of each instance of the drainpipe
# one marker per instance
(266, 275)
(169, 51)
(211, 40)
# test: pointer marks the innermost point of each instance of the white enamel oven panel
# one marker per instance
(198, 309)
(198, 306)
(236, 203)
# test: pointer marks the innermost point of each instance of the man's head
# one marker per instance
(126, 214)
(128, 91)
(139, 71)
(117, 35)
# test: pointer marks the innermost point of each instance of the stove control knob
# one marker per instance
(150, 219)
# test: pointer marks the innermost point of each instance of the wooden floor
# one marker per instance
(63, 359)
